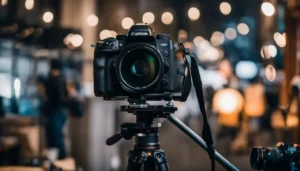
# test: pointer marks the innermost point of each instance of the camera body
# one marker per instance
(136, 66)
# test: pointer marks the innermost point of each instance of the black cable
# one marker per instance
(196, 78)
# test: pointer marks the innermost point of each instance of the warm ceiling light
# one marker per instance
(127, 22)
(167, 18)
(243, 28)
(268, 51)
(92, 20)
(217, 38)
(48, 17)
(29, 4)
(3, 2)
(225, 8)
(104, 34)
(268, 9)
(270, 73)
(148, 18)
(76, 40)
(113, 33)
(194, 13)
(279, 39)
(272, 50)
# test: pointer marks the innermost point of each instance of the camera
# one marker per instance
(138, 65)
(283, 157)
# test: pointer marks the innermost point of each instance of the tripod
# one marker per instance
(146, 154)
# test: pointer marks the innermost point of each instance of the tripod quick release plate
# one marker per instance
(157, 111)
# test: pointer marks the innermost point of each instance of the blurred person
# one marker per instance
(253, 113)
(55, 107)
(74, 103)
(226, 70)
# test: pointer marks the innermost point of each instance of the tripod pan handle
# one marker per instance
(113, 139)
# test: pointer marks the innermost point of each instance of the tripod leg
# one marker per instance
(149, 165)
(133, 164)
(160, 160)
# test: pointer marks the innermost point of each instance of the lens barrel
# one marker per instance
(139, 68)
(282, 157)
(257, 158)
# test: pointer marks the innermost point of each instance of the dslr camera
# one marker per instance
(282, 157)
(138, 65)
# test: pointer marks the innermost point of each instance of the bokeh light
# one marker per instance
(67, 39)
(29, 4)
(246, 69)
(197, 40)
(268, 9)
(92, 20)
(230, 33)
(113, 33)
(272, 50)
(206, 52)
(279, 39)
(194, 13)
(277, 120)
(17, 87)
(104, 34)
(292, 121)
(4, 2)
(76, 40)
(217, 38)
(268, 51)
(48, 17)
(203, 45)
(127, 22)
(167, 18)
(270, 73)
(225, 8)
(228, 101)
(148, 18)
(73, 40)
(182, 35)
(243, 28)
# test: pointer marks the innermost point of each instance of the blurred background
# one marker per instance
(248, 53)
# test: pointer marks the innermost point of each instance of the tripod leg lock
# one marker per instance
(137, 157)
(160, 160)
(159, 157)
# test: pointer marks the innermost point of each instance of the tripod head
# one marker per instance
(145, 126)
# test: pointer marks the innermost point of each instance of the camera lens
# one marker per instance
(139, 68)
(256, 158)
